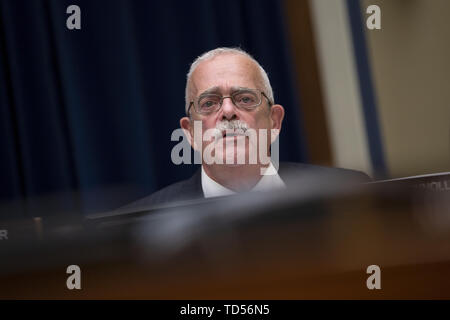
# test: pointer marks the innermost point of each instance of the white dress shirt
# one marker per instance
(267, 182)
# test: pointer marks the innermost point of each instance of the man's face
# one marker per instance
(223, 75)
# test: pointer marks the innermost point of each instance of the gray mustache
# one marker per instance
(232, 125)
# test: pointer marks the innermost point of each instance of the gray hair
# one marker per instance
(219, 51)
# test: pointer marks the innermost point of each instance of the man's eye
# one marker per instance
(246, 99)
(208, 104)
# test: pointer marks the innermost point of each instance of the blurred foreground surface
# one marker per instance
(314, 242)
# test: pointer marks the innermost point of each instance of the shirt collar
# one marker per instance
(271, 181)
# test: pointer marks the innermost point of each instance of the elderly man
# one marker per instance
(228, 92)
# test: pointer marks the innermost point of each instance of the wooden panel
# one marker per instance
(308, 80)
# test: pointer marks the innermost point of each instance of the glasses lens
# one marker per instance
(246, 99)
(208, 103)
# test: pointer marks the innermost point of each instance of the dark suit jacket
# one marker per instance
(191, 188)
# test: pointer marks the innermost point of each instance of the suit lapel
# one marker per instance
(194, 185)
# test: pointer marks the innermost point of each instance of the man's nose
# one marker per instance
(228, 109)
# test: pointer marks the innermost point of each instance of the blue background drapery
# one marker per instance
(86, 115)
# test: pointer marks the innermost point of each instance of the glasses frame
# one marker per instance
(232, 99)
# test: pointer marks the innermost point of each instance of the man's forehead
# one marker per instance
(222, 89)
(225, 73)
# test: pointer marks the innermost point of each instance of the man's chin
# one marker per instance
(237, 157)
(232, 165)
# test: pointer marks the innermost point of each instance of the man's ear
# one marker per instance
(276, 116)
(188, 128)
(276, 120)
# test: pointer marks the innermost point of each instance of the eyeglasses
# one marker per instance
(246, 99)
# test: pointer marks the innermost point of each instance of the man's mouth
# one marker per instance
(235, 133)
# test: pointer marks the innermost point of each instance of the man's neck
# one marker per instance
(237, 178)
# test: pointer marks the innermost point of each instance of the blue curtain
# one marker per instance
(86, 115)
